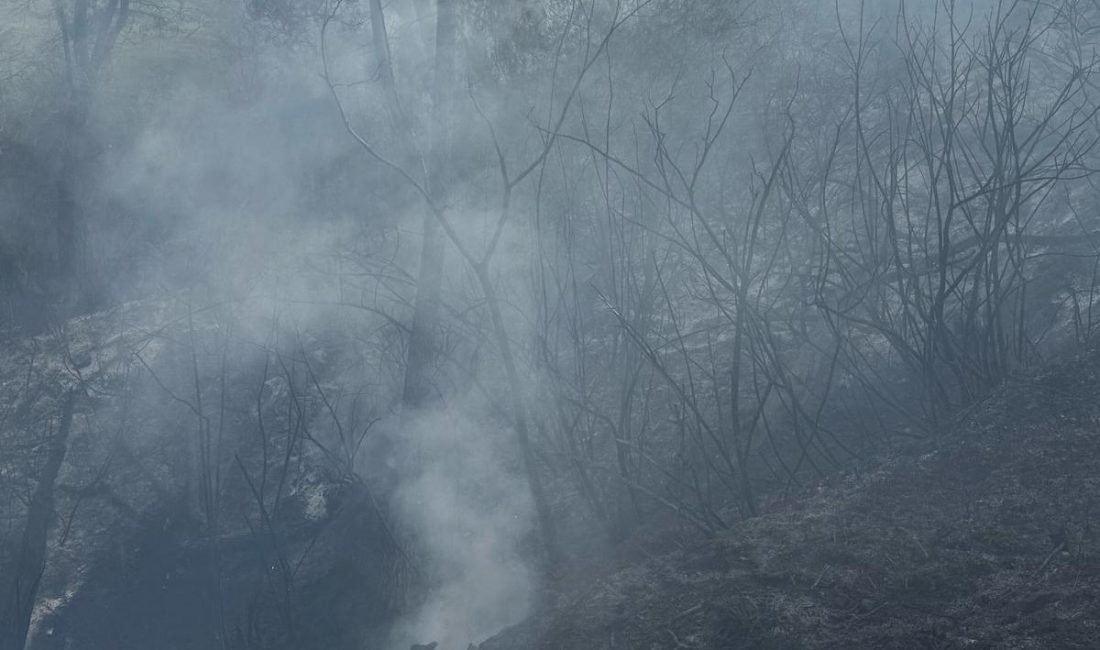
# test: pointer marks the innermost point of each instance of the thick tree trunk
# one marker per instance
(88, 33)
(418, 386)
(383, 58)
(31, 556)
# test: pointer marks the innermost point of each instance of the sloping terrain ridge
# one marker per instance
(985, 536)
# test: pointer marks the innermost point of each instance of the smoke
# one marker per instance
(238, 187)
(468, 506)
(234, 188)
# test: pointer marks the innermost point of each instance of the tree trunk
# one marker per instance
(384, 61)
(421, 351)
(31, 557)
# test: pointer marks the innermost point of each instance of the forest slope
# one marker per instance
(983, 537)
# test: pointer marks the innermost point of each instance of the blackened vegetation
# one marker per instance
(656, 323)
(984, 537)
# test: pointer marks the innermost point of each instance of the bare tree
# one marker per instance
(89, 30)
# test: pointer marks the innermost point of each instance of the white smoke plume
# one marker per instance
(469, 507)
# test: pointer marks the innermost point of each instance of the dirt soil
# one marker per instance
(986, 536)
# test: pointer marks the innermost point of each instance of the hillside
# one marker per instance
(566, 324)
(983, 537)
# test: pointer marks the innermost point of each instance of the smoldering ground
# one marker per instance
(467, 506)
